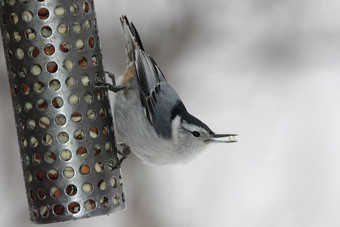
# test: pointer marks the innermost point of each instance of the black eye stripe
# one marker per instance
(196, 134)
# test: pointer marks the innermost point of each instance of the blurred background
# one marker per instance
(267, 70)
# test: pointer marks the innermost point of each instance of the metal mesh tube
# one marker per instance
(64, 124)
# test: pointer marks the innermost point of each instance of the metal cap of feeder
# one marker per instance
(64, 123)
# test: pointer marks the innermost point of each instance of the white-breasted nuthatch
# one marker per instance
(149, 116)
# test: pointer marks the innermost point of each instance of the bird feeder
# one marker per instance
(64, 123)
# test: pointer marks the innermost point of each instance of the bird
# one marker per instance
(149, 116)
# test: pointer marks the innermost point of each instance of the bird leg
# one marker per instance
(112, 87)
(124, 154)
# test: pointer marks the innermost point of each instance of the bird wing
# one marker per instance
(154, 90)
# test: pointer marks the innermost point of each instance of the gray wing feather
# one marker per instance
(157, 96)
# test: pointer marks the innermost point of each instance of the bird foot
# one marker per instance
(122, 155)
(112, 87)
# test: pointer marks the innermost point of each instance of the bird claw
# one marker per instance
(124, 154)
(112, 87)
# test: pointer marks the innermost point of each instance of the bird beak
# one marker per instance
(230, 138)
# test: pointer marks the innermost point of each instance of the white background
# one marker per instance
(267, 70)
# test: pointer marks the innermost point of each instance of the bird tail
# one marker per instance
(132, 39)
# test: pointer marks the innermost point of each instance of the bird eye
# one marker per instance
(196, 134)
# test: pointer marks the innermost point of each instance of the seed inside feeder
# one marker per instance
(47, 140)
(74, 207)
(46, 31)
(66, 155)
(33, 51)
(41, 104)
(16, 36)
(94, 60)
(29, 177)
(59, 11)
(85, 169)
(7, 36)
(85, 7)
(71, 190)
(77, 26)
(32, 195)
(99, 95)
(30, 34)
(36, 70)
(68, 64)
(20, 54)
(14, 18)
(71, 82)
(103, 113)
(113, 182)
(50, 157)
(82, 152)
(68, 172)
(52, 67)
(44, 122)
(25, 88)
(43, 13)
(44, 211)
(102, 184)
(115, 200)
(91, 42)
(94, 132)
(82, 62)
(28, 107)
(96, 149)
(99, 167)
(35, 212)
(88, 25)
(91, 114)
(85, 80)
(10, 55)
(57, 102)
(26, 159)
(49, 49)
(21, 124)
(39, 176)
(27, 16)
(52, 174)
(90, 204)
(104, 202)
(36, 159)
(76, 117)
(33, 142)
(54, 85)
(60, 120)
(74, 9)
(63, 137)
(55, 192)
(65, 47)
(30, 124)
(22, 71)
(106, 130)
(79, 135)
(73, 99)
(62, 29)
(41, 194)
(39, 87)
(87, 187)
(80, 44)
(88, 97)
(58, 209)
(23, 142)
